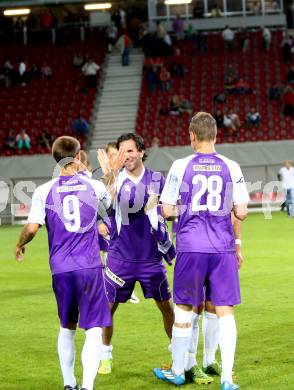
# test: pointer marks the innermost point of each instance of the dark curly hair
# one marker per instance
(139, 141)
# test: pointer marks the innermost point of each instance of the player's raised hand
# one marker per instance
(103, 161)
(239, 256)
(19, 253)
(118, 162)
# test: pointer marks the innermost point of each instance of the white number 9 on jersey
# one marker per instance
(213, 185)
(71, 212)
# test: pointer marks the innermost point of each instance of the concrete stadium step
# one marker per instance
(107, 105)
(115, 116)
(101, 129)
(115, 110)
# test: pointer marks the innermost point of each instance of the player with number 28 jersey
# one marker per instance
(206, 185)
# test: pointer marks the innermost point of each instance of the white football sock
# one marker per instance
(210, 331)
(227, 343)
(66, 353)
(91, 356)
(191, 360)
(180, 343)
(106, 352)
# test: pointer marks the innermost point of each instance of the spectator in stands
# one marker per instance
(231, 74)
(22, 72)
(46, 71)
(275, 92)
(228, 38)
(116, 19)
(111, 35)
(80, 126)
(9, 73)
(216, 11)
(266, 38)
(122, 13)
(198, 10)
(166, 45)
(36, 71)
(174, 105)
(219, 118)
(177, 68)
(288, 101)
(290, 75)
(190, 33)
(46, 19)
(45, 140)
(185, 106)
(22, 140)
(253, 117)
(152, 79)
(178, 27)
(78, 60)
(124, 43)
(201, 42)
(232, 121)
(155, 142)
(10, 140)
(287, 45)
(90, 69)
(220, 97)
(242, 87)
(255, 7)
(160, 30)
(165, 79)
(245, 40)
(178, 105)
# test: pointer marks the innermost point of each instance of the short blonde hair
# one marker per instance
(203, 125)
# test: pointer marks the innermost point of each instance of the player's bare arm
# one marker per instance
(236, 223)
(27, 234)
(240, 211)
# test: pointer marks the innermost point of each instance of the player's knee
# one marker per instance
(71, 326)
(209, 307)
(183, 317)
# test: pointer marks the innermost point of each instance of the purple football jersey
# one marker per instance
(205, 186)
(68, 206)
(131, 235)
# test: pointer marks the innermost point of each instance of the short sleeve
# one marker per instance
(37, 212)
(171, 189)
(240, 193)
(102, 194)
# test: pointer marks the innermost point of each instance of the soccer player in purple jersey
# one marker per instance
(133, 254)
(68, 206)
(209, 186)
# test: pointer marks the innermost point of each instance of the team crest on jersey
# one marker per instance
(160, 219)
(127, 188)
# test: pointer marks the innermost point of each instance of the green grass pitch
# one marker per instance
(264, 358)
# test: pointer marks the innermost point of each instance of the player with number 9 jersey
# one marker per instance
(68, 205)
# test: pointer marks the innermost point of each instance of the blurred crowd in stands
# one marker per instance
(163, 64)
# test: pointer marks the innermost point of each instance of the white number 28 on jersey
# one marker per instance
(71, 212)
(213, 185)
